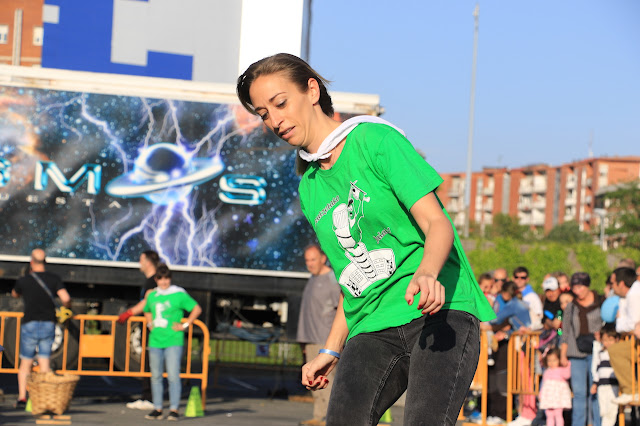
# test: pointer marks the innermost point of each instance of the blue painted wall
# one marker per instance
(81, 41)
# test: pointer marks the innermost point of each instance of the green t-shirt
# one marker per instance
(359, 210)
(167, 308)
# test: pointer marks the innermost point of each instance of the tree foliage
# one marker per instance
(568, 232)
(543, 257)
(624, 213)
(505, 226)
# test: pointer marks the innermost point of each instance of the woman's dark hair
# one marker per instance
(298, 71)
(509, 287)
(162, 271)
(293, 67)
(553, 351)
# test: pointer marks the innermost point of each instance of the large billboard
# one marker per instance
(104, 177)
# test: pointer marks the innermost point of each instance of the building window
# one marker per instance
(4, 34)
(38, 35)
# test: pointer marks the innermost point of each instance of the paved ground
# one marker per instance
(244, 397)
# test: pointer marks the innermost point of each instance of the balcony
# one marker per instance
(589, 182)
(540, 187)
(455, 191)
(525, 220)
(525, 188)
(572, 181)
(540, 204)
(537, 221)
(453, 208)
(570, 201)
(524, 205)
(588, 199)
(488, 205)
(488, 190)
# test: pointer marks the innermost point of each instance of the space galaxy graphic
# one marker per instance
(104, 177)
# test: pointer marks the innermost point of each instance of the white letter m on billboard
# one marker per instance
(92, 173)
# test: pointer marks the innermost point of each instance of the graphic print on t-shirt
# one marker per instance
(159, 321)
(365, 267)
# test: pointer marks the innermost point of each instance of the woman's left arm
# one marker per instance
(438, 242)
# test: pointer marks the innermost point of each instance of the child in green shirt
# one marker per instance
(164, 312)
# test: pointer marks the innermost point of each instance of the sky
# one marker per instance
(555, 80)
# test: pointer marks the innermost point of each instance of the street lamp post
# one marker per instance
(467, 189)
(601, 213)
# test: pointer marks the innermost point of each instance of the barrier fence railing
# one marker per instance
(634, 374)
(480, 379)
(523, 376)
(102, 345)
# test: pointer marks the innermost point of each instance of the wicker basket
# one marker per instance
(51, 392)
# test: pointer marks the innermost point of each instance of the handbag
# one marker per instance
(62, 313)
(585, 342)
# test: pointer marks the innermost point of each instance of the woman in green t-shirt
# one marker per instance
(410, 306)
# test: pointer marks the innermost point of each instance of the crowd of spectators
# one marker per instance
(581, 353)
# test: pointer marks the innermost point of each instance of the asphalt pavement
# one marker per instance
(242, 397)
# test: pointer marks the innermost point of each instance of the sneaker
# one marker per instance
(625, 398)
(154, 415)
(521, 421)
(495, 420)
(140, 404)
(173, 415)
(475, 417)
(21, 404)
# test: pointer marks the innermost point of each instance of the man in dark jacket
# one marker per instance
(38, 323)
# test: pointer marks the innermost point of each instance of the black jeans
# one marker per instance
(433, 358)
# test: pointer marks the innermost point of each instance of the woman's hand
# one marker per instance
(314, 373)
(432, 293)
(177, 326)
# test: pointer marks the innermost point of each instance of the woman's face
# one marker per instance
(284, 108)
(581, 291)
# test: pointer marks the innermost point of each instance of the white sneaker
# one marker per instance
(625, 398)
(140, 404)
(495, 420)
(521, 421)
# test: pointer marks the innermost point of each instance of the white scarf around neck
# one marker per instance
(339, 134)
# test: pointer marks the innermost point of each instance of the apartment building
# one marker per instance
(21, 32)
(539, 195)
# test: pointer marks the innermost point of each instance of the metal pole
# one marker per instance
(467, 189)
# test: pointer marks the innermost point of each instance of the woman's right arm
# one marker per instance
(314, 373)
(567, 333)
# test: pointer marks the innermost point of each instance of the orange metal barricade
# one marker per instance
(480, 379)
(634, 373)
(103, 346)
(522, 378)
